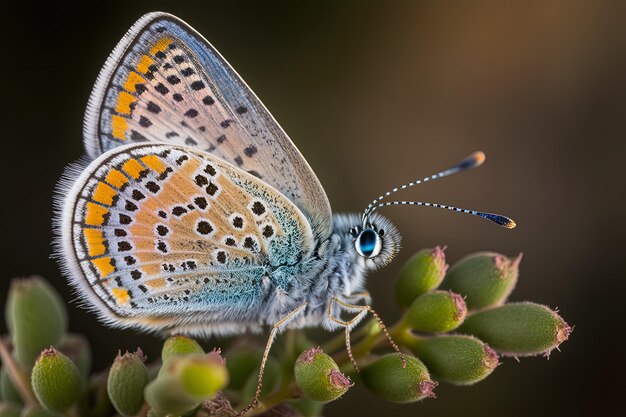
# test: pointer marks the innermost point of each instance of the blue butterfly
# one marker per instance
(198, 215)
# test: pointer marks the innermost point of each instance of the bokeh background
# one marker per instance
(374, 94)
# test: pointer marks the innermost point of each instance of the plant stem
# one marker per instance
(17, 375)
(290, 392)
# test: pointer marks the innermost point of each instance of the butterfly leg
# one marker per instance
(277, 328)
(348, 325)
(357, 297)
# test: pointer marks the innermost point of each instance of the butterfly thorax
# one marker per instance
(334, 270)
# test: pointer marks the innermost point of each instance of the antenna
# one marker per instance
(496, 218)
(472, 161)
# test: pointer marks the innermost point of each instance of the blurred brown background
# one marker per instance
(374, 94)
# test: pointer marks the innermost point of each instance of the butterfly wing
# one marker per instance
(160, 236)
(165, 83)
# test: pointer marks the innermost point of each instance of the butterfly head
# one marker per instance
(376, 242)
(375, 239)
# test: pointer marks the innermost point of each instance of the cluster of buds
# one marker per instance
(455, 326)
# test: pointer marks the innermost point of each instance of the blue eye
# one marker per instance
(368, 243)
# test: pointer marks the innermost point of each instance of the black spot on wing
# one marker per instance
(136, 136)
(201, 202)
(138, 195)
(144, 122)
(140, 88)
(153, 107)
(258, 208)
(201, 180)
(237, 222)
(161, 88)
(268, 231)
(179, 211)
(204, 227)
(197, 85)
(191, 113)
(250, 150)
(153, 187)
(172, 79)
(211, 189)
(124, 246)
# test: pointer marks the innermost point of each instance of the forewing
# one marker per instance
(165, 83)
(158, 234)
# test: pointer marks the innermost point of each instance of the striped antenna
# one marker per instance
(496, 218)
(472, 161)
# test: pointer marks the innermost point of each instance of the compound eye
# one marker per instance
(368, 244)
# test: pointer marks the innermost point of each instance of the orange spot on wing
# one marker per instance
(156, 283)
(144, 62)
(152, 269)
(95, 242)
(154, 162)
(133, 168)
(119, 127)
(116, 178)
(95, 214)
(121, 295)
(124, 100)
(160, 45)
(104, 266)
(132, 80)
(104, 194)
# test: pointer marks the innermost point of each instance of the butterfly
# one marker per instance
(196, 214)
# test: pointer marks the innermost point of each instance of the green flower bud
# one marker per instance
(185, 382)
(319, 377)
(420, 274)
(518, 329)
(484, 278)
(55, 380)
(387, 378)
(436, 312)
(8, 392)
(36, 318)
(127, 379)
(9, 410)
(179, 345)
(457, 359)
(38, 411)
